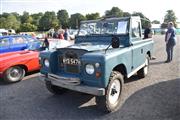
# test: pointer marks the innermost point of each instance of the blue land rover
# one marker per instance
(107, 52)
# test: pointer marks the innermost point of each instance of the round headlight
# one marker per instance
(46, 62)
(90, 69)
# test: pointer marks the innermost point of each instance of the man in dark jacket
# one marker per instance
(66, 34)
(148, 32)
(170, 40)
(46, 43)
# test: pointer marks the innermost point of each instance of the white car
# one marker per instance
(58, 43)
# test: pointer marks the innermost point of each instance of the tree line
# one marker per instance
(45, 21)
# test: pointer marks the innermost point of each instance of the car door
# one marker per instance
(137, 44)
(18, 43)
(4, 44)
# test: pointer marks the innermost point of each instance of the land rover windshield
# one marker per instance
(97, 27)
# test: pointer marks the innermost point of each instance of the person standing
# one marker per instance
(148, 32)
(46, 43)
(170, 39)
(66, 34)
(61, 35)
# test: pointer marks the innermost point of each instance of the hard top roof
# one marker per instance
(110, 19)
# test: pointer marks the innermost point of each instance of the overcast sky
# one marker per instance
(153, 9)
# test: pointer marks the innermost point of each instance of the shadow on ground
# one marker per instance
(29, 99)
(157, 63)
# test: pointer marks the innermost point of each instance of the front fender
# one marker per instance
(116, 58)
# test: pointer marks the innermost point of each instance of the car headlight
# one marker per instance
(46, 62)
(90, 69)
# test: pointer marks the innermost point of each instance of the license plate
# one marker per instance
(71, 61)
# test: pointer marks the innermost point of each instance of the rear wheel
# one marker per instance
(14, 74)
(144, 71)
(112, 100)
(54, 89)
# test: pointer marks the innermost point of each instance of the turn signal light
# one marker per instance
(98, 74)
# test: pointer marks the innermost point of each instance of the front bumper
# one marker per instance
(73, 84)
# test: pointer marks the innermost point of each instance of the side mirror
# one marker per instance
(115, 42)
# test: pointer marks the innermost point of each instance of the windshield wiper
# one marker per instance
(108, 47)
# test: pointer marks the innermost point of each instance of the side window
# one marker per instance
(4, 42)
(30, 39)
(135, 29)
(18, 40)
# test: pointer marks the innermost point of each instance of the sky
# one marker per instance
(152, 9)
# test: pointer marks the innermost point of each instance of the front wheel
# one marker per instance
(144, 71)
(112, 100)
(14, 74)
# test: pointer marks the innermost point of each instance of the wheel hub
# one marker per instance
(15, 73)
(114, 92)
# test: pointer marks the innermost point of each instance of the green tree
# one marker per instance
(5, 15)
(26, 18)
(144, 20)
(12, 22)
(47, 21)
(156, 22)
(126, 14)
(18, 17)
(36, 18)
(169, 17)
(63, 18)
(75, 20)
(115, 12)
(28, 27)
(3, 23)
(93, 16)
(164, 25)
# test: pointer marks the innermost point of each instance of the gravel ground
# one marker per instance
(156, 97)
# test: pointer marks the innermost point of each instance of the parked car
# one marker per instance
(16, 43)
(14, 65)
(106, 53)
(3, 32)
(72, 33)
(11, 31)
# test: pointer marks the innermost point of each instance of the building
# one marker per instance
(156, 28)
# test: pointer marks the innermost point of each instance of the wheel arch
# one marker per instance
(149, 54)
(122, 69)
(19, 65)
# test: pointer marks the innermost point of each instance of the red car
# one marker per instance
(14, 65)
